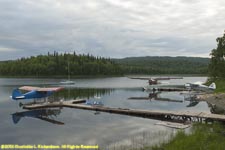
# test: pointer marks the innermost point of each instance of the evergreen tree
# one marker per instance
(217, 62)
(57, 65)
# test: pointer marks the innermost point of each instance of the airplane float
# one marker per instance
(33, 92)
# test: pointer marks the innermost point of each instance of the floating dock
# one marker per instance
(164, 89)
(156, 99)
(173, 116)
(166, 86)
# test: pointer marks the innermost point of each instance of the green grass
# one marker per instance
(203, 137)
(220, 86)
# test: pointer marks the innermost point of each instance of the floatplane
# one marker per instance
(155, 81)
(28, 93)
(155, 85)
(34, 93)
(199, 86)
(196, 89)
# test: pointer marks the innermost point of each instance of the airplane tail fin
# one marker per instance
(16, 94)
(212, 86)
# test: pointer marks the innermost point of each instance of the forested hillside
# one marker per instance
(86, 65)
(164, 65)
(57, 65)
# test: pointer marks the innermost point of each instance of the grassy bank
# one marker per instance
(202, 137)
(220, 83)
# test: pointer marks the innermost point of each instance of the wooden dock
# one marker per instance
(175, 116)
(156, 99)
(169, 89)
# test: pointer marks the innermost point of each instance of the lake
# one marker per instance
(88, 127)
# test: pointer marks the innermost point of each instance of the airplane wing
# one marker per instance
(140, 78)
(169, 78)
(28, 88)
(39, 89)
(159, 78)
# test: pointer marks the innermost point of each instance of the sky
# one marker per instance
(110, 28)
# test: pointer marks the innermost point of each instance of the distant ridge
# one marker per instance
(164, 65)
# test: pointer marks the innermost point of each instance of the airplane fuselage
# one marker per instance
(37, 94)
(30, 95)
(201, 87)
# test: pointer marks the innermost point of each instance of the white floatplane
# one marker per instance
(199, 86)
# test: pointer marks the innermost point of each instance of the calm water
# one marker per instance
(87, 127)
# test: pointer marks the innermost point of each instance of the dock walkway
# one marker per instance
(176, 116)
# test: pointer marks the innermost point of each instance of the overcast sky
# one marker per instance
(110, 28)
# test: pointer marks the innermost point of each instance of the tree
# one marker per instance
(57, 65)
(217, 62)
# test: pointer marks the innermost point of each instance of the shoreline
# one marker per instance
(214, 99)
(102, 76)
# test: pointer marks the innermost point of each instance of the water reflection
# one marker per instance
(86, 93)
(48, 115)
(155, 96)
(82, 126)
(193, 101)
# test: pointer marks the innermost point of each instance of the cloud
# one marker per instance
(110, 28)
(7, 49)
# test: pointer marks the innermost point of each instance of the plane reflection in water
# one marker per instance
(48, 115)
(155, 96)
(192, 98)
